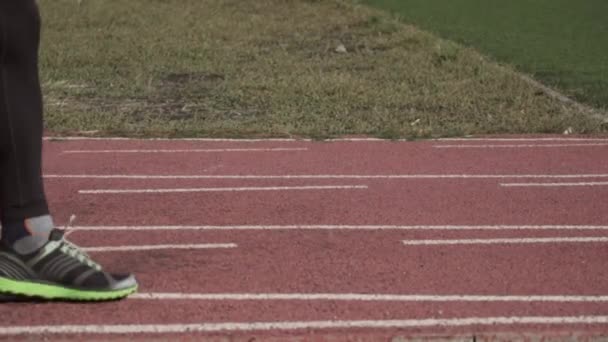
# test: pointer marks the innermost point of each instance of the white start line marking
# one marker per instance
(505, 241)
(158, 247)
(403, 176)
(217, 150)
(238, 189)
(553, 185)
(522, 145)
(340, 227)
(364, 297)
(299, 325)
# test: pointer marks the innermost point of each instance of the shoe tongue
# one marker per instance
(56, 235)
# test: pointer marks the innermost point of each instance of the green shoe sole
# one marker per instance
(56, 292)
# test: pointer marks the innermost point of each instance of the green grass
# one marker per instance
(563, 43)
(237, 68)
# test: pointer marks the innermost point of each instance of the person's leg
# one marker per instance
(35, 259)
(23, 207)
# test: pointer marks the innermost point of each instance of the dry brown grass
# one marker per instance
(275, 68)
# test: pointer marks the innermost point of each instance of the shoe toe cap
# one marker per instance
(123, 281)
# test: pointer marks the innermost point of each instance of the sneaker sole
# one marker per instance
(57, 292)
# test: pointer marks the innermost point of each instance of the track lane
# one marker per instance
(312, 261)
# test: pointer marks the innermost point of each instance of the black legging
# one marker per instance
(21, 188)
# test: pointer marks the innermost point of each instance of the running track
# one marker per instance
(322, 240)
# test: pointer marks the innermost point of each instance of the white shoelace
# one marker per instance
(73, 250)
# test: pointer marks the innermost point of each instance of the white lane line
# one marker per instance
(269, 188)
(364, 297)
(219, 139)
(212, 150)
(404, 176)
(504, 241)
(158, 247)
(520, 145)
(299, 325)
(524, 139)
(553, 184)
(169, 139)
(297, 140)
(337, 227)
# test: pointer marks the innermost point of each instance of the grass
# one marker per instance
(563, 43)
(234, 68)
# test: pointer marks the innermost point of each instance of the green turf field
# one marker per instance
(564, 43)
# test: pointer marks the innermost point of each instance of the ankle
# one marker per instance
(27, 235)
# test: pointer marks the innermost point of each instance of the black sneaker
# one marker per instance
(60, 270)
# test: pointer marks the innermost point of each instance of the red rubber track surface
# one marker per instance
(300, 260)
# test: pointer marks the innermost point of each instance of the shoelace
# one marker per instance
(73, 250)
